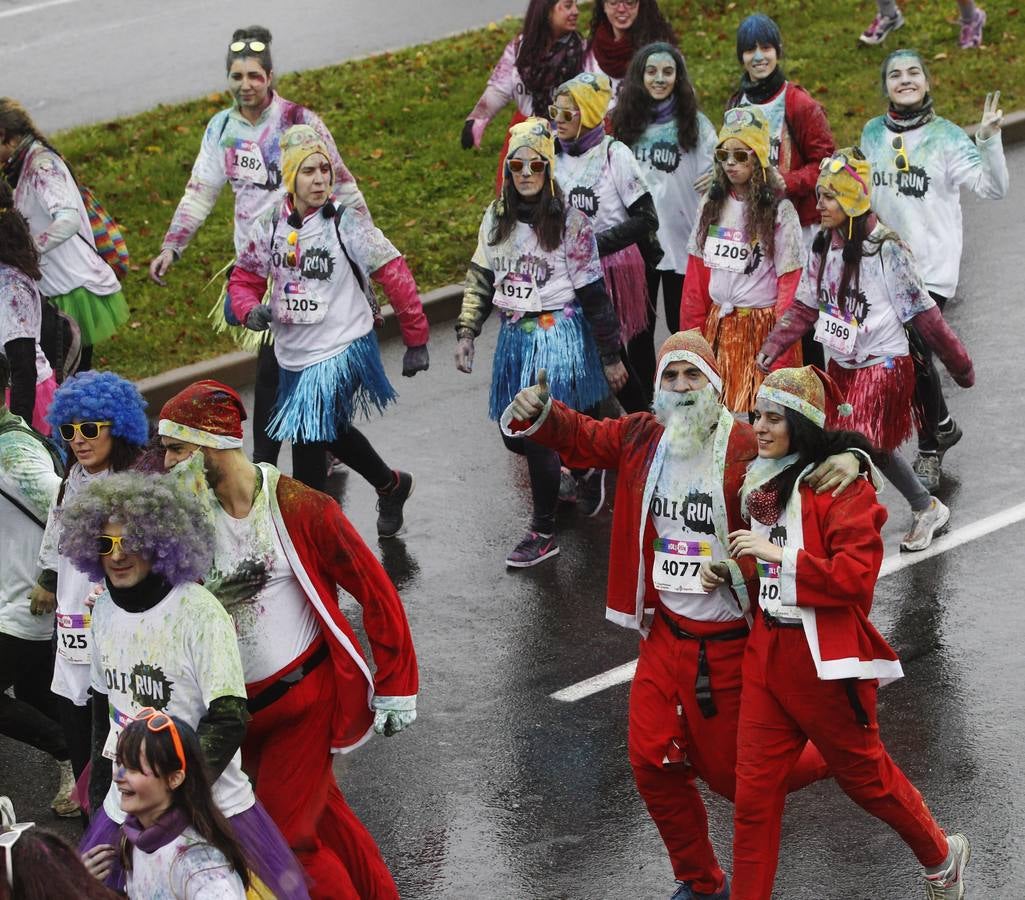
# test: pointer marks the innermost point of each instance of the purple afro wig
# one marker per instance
(162, 523)
(101, 397)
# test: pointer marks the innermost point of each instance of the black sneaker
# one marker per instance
(389, 506)
(947, 439)
(534, 548)
(591, 492)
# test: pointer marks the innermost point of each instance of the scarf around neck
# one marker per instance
(585, 142)
(901, 120)
(613, 56)
(764, 90)
(142, 596)
(663, 111)
(759, 498)
(166, 829)
(546, 71)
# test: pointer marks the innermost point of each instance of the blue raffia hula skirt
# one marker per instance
(316, 403)
(560, 342)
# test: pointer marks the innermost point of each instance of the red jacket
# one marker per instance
(325, 553)
(633, 446)
(807, 140)
(832, 580)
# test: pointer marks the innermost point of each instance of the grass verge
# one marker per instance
(397, 117)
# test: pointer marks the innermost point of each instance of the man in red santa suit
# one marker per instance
(281, 552)
(671, 578)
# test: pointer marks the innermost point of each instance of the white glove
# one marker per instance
(392, 714)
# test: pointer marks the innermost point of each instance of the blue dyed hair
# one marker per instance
(101, 397)
(758, 29)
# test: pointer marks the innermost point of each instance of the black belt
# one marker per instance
(285, 683)
(703, 683)
(772, 621)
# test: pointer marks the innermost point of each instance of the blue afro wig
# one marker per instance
(101, 397)
(758, 29)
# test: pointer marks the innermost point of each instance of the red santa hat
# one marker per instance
(808, 391)
(689, 346)
(207, 413)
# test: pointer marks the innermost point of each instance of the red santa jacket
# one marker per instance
(325, 553)
(633, 445)
(832, 579)
(807, 140)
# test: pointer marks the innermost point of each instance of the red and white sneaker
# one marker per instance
(881, 26)
(949, 884)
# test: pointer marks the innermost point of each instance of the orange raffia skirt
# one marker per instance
(883, 397)
(736, 340)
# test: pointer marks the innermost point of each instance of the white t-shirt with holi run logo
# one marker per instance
(274, 620)
(923, 204)
(318, 305)
(178, 657)
(740, 274)
(682, 513)
(74, 589)
(890, 293)
(188, 868)
(21, 314)
(602, 183)
(529, 278)
(670, 173)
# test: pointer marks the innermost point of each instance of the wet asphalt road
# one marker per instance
(500, 791)
(73, 62)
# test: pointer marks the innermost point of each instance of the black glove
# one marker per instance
(259, 318)
(466, 139)
(415, 359)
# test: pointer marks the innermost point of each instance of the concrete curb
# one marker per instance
(441, 305)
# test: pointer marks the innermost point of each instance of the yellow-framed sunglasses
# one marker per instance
(901, 159)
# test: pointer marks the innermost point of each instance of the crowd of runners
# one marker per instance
(169, 619)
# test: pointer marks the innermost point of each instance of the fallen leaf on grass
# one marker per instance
(940, 56)
(409, 224)
(376, 154)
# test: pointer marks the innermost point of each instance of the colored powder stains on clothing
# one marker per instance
(248, 156)
(602, 182)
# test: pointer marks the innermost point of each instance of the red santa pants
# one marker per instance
(784, 705)
(287, 754)
(670, 741)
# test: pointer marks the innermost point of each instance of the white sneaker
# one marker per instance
(949, 884)
(925, 525)
(63, 803)
(881, 26)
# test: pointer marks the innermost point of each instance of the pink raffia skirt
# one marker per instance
(44, 397)
(627, 283)
(883, 397)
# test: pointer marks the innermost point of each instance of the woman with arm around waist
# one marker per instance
(814, 661)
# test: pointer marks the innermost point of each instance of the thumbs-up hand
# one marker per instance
(529, 403)
(542, 386)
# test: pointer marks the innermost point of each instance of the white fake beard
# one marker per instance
(688, 418)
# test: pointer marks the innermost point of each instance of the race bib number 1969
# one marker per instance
(836, 330)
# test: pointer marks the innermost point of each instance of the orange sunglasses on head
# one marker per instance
(157, 721)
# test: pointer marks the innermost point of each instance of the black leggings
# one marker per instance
(77, 722)
(30, 716)
(545, 470)
(641, 348)
(928, 391)
(309, 461)
(266, 395)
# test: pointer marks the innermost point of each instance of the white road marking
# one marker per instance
(34, 7)
(891, 564)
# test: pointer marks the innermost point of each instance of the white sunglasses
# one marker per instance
(7, 840)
